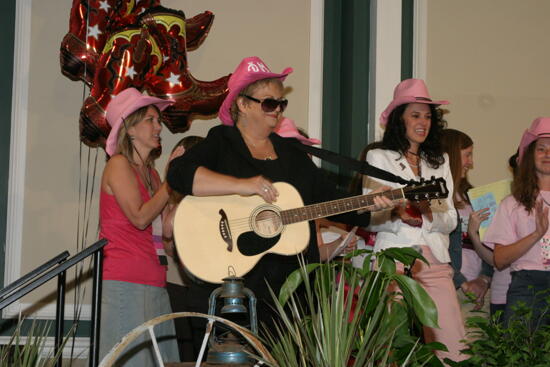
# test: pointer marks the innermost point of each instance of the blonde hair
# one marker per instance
(124, 144)
(247, 91)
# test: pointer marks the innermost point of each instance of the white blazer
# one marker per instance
(395, 233)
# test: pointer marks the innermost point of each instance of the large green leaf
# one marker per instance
(294, 280)
(422, 303)
(406, 255)
(386, 265)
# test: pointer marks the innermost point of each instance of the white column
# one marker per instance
(420, 39)
(385, 59)
(316, 42)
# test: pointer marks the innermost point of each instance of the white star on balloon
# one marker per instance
(130, 72)
(173, 79)
(94, 31)
(104, 5)
(165, 58)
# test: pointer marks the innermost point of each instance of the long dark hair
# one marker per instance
(525, 187)
(395, 136)
(453, 142)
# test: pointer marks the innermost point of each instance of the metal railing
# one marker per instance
(57, 267)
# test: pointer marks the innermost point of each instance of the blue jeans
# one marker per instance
(495, 307)
(125, 306)
(530, 287)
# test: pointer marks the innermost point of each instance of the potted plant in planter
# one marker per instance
(27, 349)
(346, 316)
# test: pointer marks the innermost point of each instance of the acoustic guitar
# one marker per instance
(218, 236)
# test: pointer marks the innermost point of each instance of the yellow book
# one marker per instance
(488, 196)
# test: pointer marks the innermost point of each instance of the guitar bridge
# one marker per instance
(225, 232)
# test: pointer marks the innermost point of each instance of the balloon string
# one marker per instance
(82, 213)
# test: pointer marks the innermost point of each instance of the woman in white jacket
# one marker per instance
(411, 148)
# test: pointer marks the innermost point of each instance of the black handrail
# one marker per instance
(34, 273)
(22, 286)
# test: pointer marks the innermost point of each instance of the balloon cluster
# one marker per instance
(115, 44)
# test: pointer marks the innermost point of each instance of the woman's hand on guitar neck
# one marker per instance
(381, 202)
(258, 185)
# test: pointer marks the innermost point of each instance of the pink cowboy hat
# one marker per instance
(123, 105)
(287, 129)
(408, 91)
(539, 128)
(250, 69)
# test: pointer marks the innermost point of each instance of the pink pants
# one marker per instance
(436, 279)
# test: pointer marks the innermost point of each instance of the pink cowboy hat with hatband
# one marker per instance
(287, 129)
(123, 105)
(540, 128)
(408, 91)
(250, 70)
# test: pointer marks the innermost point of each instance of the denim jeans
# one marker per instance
(530, 287)
(125, 306)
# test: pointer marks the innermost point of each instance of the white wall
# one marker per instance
(44, 211)
(490, 59)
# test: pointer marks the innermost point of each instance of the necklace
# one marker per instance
(144, 174)
(147, 180)
(261, 152)
(417, 164)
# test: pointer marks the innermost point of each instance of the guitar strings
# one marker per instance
(240, 223)
(245, 223)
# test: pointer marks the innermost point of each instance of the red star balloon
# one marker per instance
(114, 44)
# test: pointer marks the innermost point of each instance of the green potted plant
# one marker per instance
(524, 341)
(27, 349)
(348, 317)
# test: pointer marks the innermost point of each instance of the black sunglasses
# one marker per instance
(270, 104)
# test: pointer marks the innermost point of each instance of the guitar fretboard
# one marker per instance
(335, 207)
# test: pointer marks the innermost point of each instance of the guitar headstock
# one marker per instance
(434, 188)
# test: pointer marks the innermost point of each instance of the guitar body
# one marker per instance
(218, 236)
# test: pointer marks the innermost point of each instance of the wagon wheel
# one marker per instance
(114, 353)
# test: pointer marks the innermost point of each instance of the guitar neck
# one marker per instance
(334, 207)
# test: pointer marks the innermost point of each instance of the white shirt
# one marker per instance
(395, 233)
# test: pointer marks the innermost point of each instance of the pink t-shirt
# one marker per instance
(512, 223)
(130, 255)
(499, 286)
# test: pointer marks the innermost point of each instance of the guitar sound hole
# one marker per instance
(267, 223)
(250, 244)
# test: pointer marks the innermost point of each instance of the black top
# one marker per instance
(224, 151)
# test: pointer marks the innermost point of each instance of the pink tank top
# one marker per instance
(130, 255)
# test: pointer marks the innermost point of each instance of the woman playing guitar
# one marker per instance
(245, 157)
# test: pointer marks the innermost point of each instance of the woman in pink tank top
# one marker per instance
(131, 203)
